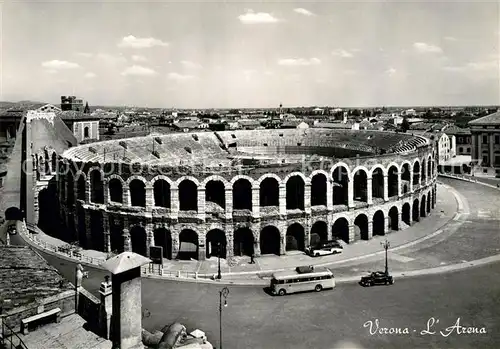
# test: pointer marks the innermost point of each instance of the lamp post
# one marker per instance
(386, 244)
(219, 276)
(222, 293)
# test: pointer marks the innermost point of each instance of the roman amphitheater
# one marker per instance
(243, 192)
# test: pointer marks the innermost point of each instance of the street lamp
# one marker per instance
(386, 244)
(219, 276)
(222, 293)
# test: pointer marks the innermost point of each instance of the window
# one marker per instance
(86, 132)
(460, 149)
(485, 139)
(485, 170)
(497, 139)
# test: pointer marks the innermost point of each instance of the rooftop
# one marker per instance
(25, 277)
(492, 119)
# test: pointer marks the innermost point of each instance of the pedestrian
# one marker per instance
(252, 261)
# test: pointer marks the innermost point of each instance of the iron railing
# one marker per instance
(9, 338)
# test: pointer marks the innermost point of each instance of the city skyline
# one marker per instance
(224, 55)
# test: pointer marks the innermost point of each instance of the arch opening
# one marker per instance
(81, 186)
(392, 181)
(423, 212)
(340, 230)
(116, 237)
(54, 162)
(416, 174)
(295, 238)
(405, 178)
(340, 185)
(269, 192)
(163, 239)
(361, 227)
(138, 240)
(70, 196)
(188, 245)
(115, 190)
(360, 186)
(379, 223)
(161, 191)
(406, 214)
(378, 184)
(96, 231)
(242, 195)
(137, 193)
(319, 233)
(188, 196)
(215, 194)
(394, 218)
(96, 187)
(295, 193)
(243, 242)
(429, 203)
(415, 210)
(270, 241)
(318, 190)
(82, 228)
(216, 243)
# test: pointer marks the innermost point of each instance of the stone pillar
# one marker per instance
(149, 198)
(105, 189)
(386, 188)
(329, 195)
(256, 202)
(106, 232)
(307, 197)
(369, 191)
(126, 196)
(174, 202)
(229, 240)
(229, 203)
(88, 230)
(106, 310)
(400, 186)
(150, 238)
(329, 227)
(352, 233)
(370, 230)
(400, 219)
(350, 193)
(282, 199)
(479, 148)
(202, 248)
(282, 242)
(492, 156)
(127, 244)
(411, 181)
(256, 245)
(201, 203)
(126, 307)
(175, 243)
(387, 228)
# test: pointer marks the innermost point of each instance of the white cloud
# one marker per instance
(179, 77)
(59, 65)
(422, 47)
(139, 58)
(137, 70)
(191, 65)
(450, 38)
(299, 61)
(391, 71)
(90, 75)
(303, 11)
(251, 17)
(342, 53)
(480, 66)
(133, 42)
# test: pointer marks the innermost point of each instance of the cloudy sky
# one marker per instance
(255, 54)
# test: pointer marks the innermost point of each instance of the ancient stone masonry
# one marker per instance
(275, 204)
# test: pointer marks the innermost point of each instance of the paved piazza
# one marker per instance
(334, 319)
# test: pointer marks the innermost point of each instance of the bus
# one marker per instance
(302, 279)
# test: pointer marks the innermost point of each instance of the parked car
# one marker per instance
(325, 248)
(376, 278)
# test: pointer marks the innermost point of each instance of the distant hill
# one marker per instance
(22, 105)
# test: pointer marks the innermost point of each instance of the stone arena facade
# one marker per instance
(236, 193)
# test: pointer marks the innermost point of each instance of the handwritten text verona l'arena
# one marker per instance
(432, 328)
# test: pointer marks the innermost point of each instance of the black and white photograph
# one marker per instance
(211, 174)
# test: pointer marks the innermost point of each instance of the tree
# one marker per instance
(405, 125)
(86, 110)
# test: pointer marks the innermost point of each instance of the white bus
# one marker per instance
(302, 279)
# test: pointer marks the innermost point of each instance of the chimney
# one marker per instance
(126, 300)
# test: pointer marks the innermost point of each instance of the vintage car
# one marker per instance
(376, 278)
(325, 248)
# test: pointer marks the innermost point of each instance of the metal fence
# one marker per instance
(9, 338)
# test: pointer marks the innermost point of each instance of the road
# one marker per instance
(253, 319)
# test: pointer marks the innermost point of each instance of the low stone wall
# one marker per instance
(89, 308)
(65, 301)
(468, 179)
